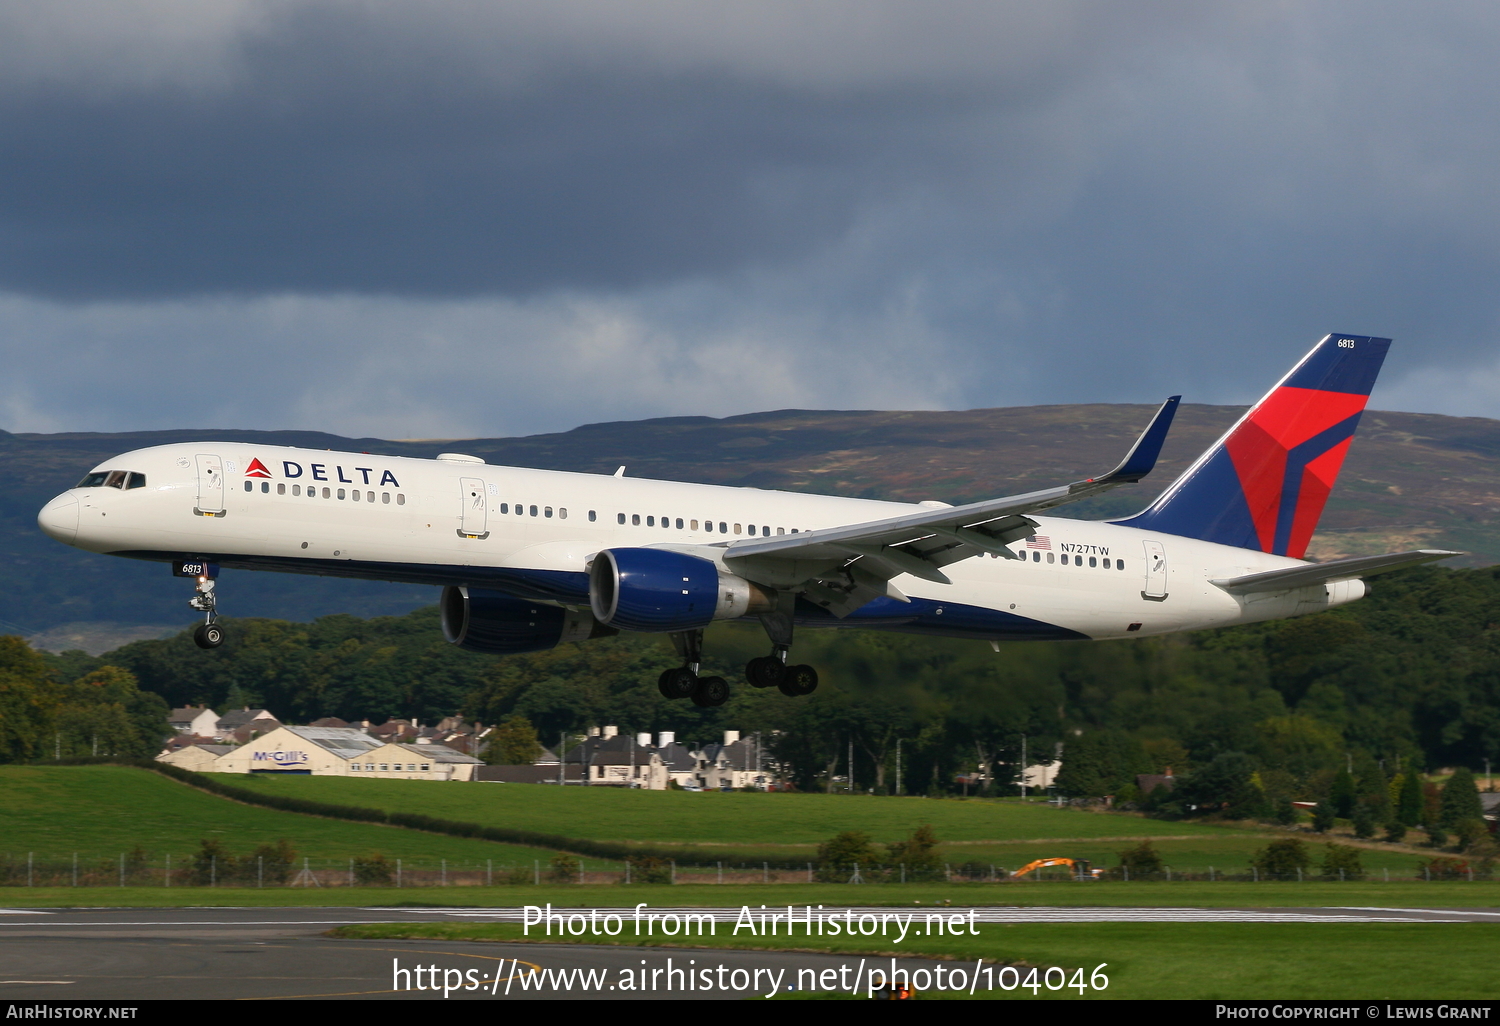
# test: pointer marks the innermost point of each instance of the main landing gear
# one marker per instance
(209, 634)
(683, 681)
(769, 671)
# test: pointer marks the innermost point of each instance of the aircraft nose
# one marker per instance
(59, 518)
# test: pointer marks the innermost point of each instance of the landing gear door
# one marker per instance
(1156, 572)
(210, 486)
(473, 523)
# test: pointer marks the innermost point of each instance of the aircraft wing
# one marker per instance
(842, 568)
(1333, 570)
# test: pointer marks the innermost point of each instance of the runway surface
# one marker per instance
(228, 953)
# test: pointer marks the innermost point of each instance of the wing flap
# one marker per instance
(1334, 570)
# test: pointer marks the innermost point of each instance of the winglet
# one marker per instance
(1142, 456)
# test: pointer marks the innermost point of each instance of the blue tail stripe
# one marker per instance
(1331, 368)
(1297, 460)
(1227, 520)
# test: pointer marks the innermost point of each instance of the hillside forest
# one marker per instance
(1343, 703)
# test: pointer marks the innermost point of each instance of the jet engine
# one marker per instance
(657, 590)
(501, 624)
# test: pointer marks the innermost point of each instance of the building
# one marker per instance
(194, 719)
(240, 725)
(394, 761)
(734, 764)
(200, 758)
(299, 750)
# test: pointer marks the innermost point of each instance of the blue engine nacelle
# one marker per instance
(501, 624)
(657, 590)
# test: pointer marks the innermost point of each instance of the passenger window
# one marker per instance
(265, 487)
(1036, 557)
(562, 512)
(1049, 557)
(505, 507)
(1119, 564)
(296, 489)
(116, 479)
(619, 518)
(666, 522)
(341, 493)
(635, 520)
(369, 496)
(136, 481)
(249, 486)
(327, 494)
(650, 521)
(693, 525)
(280, 489)
(724, 528)
(736, 528)
(708, 525)
(679, 523)
(533, 511)
(751, 530)
(354, 494)
(547, 513)
(1093, 561)
(385, 498)
(400, 499)
(781, 530)
(593, 516)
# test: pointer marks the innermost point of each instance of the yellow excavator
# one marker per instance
(1080, 867)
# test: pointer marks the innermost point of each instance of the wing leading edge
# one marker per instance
(842, 568)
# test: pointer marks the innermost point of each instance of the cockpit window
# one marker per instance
(124, 479)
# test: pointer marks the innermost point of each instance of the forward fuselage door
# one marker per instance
(210, 486)
(1156, 572)
(474, 521)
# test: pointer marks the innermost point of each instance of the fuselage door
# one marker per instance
(1156, 572)
(474, 520)
(210, 486)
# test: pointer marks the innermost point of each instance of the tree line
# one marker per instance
(1405, 681)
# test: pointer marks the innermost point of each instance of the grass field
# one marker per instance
(1361, 961)
(744, 827)
(100, 811)
(720, 819)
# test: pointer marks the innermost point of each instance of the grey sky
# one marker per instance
(491, 218)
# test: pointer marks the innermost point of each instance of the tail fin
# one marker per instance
(1264, 484)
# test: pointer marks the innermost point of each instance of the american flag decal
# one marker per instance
(1039, 541)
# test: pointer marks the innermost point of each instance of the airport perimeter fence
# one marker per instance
(137, 869)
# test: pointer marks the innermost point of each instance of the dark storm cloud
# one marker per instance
(345, 157)
(483, 217)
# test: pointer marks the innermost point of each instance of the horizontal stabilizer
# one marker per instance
(1334, 570)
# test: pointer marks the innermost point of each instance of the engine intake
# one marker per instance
(501, 624)
(656, 590)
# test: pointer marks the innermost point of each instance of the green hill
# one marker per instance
(103, 811)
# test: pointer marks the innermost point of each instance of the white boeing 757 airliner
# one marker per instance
(531, 558)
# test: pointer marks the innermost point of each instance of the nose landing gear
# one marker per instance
(209, 634)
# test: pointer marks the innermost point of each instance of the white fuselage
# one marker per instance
(467, 523)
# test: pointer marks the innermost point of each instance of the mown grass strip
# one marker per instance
(1217, 961)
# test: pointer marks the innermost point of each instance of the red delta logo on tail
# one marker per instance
(1265, 483)
(256, 468)
(1287, 454)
